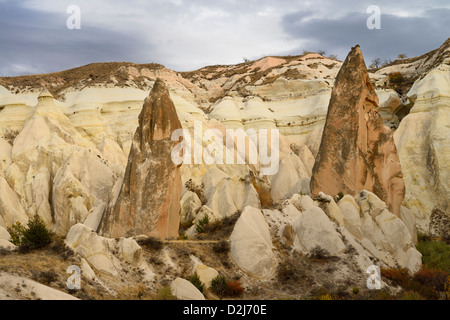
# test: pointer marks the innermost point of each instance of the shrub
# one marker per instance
(195, 280)
(339, 196)
(396, 79)
(435, 254)
(219, 286)
(202, 223)
(432, 278)
(16, 231)
(34, 236)
(151, 243)
(319, 254)
(46, 277)
(289, 271)
(222, 247)
(355, 291)
(398, 276)
(234, 288)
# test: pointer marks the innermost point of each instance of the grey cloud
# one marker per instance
(40, 42)
(410, 35)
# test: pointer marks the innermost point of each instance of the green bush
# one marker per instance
(219, 286)
(202, 223)
(16, 231)
(35, 235)
(195, 280)
(435, 254)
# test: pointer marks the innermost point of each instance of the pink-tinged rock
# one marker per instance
(149, 201)
(357, 151)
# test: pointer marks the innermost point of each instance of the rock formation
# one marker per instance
(149, 201)
(357, 151)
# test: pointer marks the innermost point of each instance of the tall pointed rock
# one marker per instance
(149, 201)
(357, 151)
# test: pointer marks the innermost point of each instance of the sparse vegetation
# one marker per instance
(222, 247)
(151, 243)
(289, 271)
(319, 253)
(10, 136)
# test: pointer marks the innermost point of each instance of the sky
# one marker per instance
(186, 35)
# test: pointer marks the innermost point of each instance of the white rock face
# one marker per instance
(130, 251)
(90, 246)
(314, 229)
(9, 282)
(182, 289)
(423, 145)
(190, 204)
(251, 245)
(352, 218)
(5, 244)
(4, 234)
(292, 177)
(226, 195)
(11, 210)
(380, 232)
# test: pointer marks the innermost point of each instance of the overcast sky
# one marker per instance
(189, 34)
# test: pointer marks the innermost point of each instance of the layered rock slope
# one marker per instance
(357, 151)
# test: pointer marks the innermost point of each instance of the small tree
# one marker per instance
(219, 285)
(376, 63)
(402, 56)
(202, 223)
(195, 280)
(35, 235)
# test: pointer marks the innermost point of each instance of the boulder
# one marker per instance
(11, 210)
(357, 151)
(190, 205)
(4, 234)
(182, 289)
(352, 218)
(206, 274)
(292, 178)
(227, 195)
(314, 229)
(92, 247)
(251, 245)
(5, 244)
(130, 251)
(302, 202)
